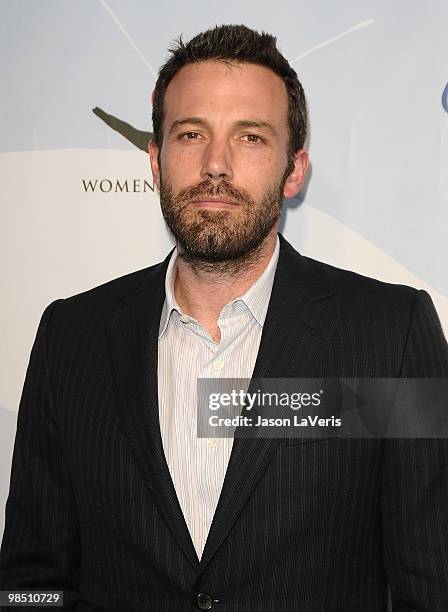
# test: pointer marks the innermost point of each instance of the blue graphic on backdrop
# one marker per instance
(445, 98)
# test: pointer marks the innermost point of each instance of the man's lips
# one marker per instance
(214, 203)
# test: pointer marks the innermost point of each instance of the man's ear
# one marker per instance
(295, 179)
(154, 161)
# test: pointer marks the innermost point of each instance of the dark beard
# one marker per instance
(216, 239)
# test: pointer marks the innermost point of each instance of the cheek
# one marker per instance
(265, 164)
(179, 169)
(258, 176)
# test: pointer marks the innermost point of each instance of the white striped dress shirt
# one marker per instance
(187, 352)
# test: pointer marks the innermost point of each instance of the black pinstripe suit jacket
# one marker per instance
(304, 525)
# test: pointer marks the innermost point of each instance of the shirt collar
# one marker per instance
(256, 298)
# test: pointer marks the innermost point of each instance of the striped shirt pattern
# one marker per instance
(187, 352)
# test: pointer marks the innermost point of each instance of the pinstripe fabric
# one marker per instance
(186, 353)
(313, 526)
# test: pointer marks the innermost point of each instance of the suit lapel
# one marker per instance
(132, 329)
(300, 322)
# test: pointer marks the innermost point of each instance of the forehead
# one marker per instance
(228, 91)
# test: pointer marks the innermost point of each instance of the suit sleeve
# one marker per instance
(415, 485)
(40, 547)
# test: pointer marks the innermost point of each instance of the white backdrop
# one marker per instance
(376, 199)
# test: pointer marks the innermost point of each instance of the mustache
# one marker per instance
(208, 188)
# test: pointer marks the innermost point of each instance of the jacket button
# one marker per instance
(204, 601)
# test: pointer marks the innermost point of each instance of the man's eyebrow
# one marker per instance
(256, 123)
(189, 121)
(242, 123)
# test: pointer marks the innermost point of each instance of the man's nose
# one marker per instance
(217, 163)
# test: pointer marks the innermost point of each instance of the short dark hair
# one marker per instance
(236, 43)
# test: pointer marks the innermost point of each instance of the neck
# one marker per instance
(202, 291)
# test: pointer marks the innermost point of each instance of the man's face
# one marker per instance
(221, 168)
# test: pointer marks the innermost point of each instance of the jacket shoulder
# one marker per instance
(88, 307)
(351, 288)
(122, 285)
(359, 289)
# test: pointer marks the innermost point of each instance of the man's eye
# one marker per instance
(189, 136)
(253, 138)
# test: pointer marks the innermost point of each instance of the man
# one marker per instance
(114, 499)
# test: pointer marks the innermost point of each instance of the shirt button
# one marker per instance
(212, 442)
(218, 365)
(204, 601)
(184, 319)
